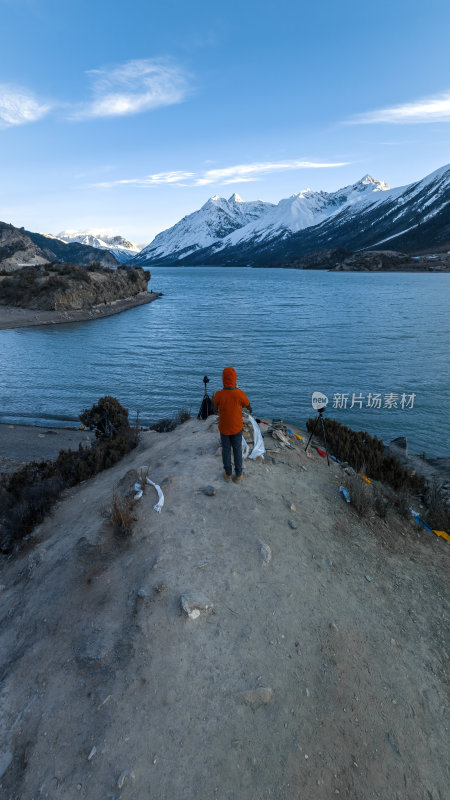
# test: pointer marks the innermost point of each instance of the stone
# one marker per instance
(209, 490)
(368, 578)
(293, 507)
(195, 604)
(258, 697)
(266, 553)
(92, 753)
(122, 778)
(292, 524)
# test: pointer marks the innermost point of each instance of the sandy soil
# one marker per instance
(318, 672)
(12, 317)
(20, 444)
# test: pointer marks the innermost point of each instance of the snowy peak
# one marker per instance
(210, 224)
(369, 181)
(120, 247)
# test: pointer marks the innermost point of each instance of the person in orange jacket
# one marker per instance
(229, 402)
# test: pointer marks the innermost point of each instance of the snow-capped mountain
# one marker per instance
(361, 216)
(211, 223)
(304, 210)
(120, 247)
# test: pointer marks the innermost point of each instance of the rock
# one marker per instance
(266, 553)
(209, 490)
(92, 753)
(393, 743)
(257, 697)
(293, 507)
(142, 593)
(401, 443)
(292, 524)
(350, 471)
(122, 778)
(194, 604)
(368, 578)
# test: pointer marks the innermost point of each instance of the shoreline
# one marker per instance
(20, 444)
(14, 317)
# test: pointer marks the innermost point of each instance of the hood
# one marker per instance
(229, 377)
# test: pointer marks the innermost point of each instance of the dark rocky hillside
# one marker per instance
(56, 287)
(19, 248)
(76, 253)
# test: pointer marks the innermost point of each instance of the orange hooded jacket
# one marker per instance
(230, 401)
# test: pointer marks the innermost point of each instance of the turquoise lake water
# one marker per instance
(287, 333)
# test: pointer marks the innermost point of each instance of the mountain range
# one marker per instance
(122, 249)
(362, 216)
(19, 248)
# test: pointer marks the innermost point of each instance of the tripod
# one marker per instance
(207, 405)
(320, 417)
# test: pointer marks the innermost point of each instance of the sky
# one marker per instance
(125, 117)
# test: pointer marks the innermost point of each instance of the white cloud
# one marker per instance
(429, 109)
(133, 87)
(241, 173)
(19, 106)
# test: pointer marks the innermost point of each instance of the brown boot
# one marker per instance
(238, 478)
(228, 478)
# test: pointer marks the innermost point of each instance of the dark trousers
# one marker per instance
(234, 441)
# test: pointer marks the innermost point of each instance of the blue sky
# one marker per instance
(127, 116)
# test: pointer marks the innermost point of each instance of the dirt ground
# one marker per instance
(317, 669)
(20, 444)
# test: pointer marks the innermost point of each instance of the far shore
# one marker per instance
(15, 317)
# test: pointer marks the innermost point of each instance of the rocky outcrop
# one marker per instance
(74, 252)
(59, 287)
(17, 249)
(392, 261)
(374, 261)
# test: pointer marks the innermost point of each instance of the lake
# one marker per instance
(364, 339)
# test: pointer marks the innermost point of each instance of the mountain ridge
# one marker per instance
(360, 216)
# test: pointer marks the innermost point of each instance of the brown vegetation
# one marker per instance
(359, 449)
(28, 494)
(68, 286)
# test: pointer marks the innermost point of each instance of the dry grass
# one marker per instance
(121, 514)
(381, 502)
(437, 514)
(360, 495)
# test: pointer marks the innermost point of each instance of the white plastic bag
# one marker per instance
(245, 448)
(258, 443)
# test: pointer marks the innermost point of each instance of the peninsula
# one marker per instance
(56, 293)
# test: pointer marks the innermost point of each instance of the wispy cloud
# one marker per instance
(19, 106)
(133, 87)
(430, 109)
(240, 173)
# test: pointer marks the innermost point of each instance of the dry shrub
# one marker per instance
(28, 494)
(403, 503)
(358, 448)
(122, 514)
(170, 423)
(381, 502)
(437, 514)
(360, 495)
